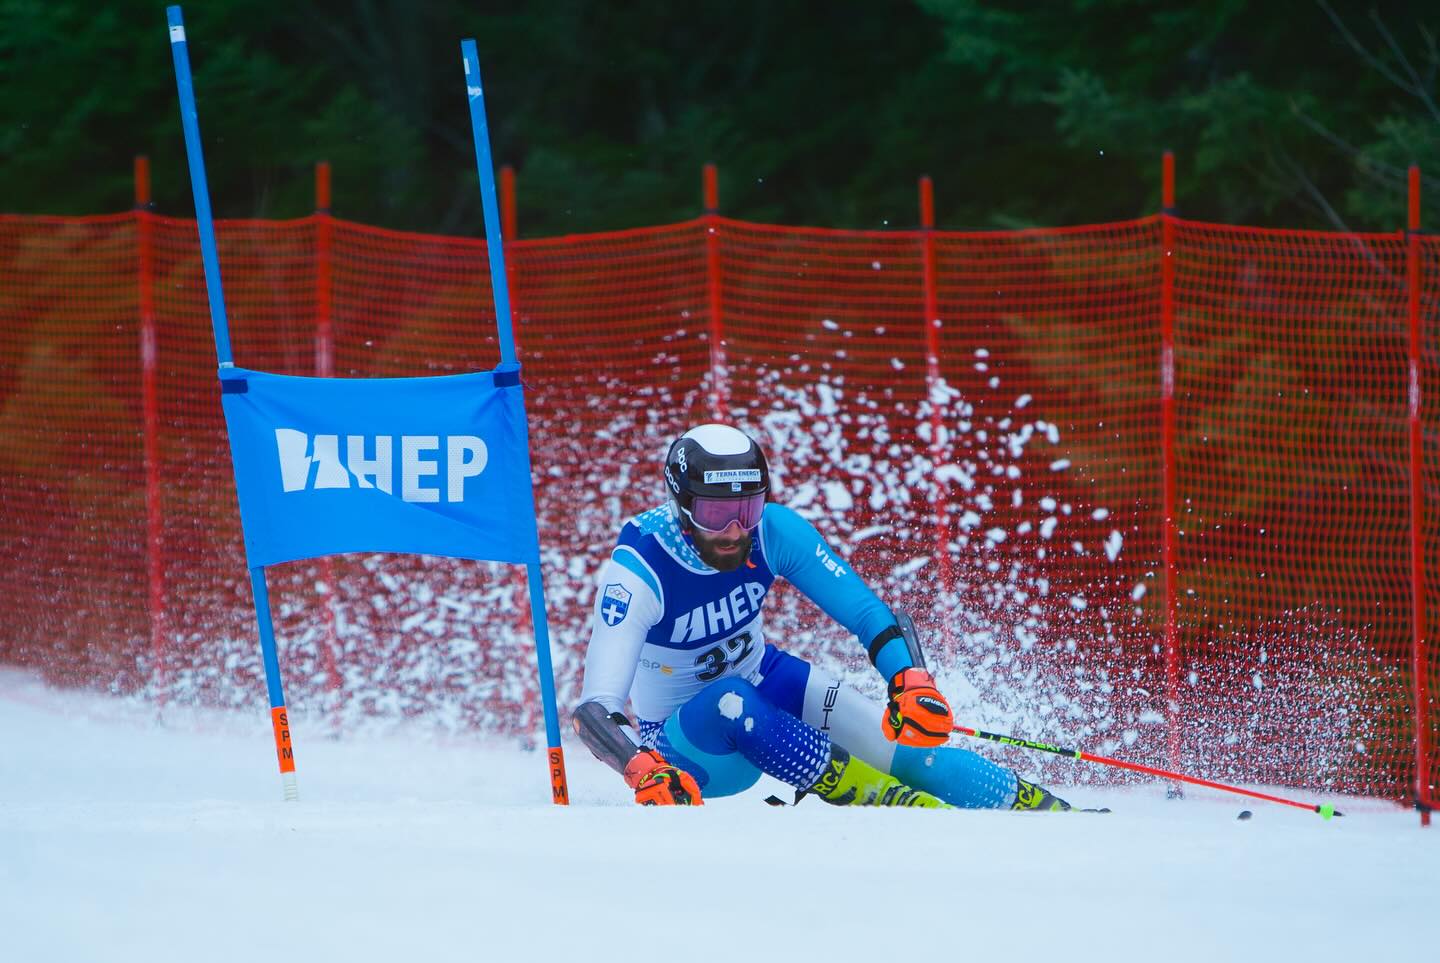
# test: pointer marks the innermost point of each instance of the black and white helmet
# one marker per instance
(717, 474)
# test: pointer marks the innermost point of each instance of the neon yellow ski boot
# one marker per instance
(1033, 797)
(851, 781)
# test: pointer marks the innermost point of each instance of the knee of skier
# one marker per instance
(725, 715)
(732, 703)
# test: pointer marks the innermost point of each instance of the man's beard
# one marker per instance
(724, 563)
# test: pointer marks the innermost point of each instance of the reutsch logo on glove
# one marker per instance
(916, 713)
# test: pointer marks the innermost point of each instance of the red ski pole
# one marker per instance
(1324, 809)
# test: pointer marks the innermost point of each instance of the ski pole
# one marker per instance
(1324, 809)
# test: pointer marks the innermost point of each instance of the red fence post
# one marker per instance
(932, 370)
(150, 408)
(325, 368)
(1167, 445)
(324, 237)
(719, 377)
(1419, 663)
(507, 236)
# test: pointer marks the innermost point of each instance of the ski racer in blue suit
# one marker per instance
(679, 631)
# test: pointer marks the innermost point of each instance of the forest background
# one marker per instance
(1292, 113)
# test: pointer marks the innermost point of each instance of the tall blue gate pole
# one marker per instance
(210, 257)
(559, 788)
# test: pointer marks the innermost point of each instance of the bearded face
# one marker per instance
(725, 551)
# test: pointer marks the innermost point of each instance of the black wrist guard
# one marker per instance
(903, 628)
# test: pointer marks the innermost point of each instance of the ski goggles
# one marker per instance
(714, 515)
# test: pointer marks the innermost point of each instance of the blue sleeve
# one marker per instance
(798, 553)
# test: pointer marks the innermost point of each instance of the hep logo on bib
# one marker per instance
(614, 604)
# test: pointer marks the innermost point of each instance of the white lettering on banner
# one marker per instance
(413, 467)
(314, 462)
(365, 469)
(467, 458)
(294, 463)
(329, 473)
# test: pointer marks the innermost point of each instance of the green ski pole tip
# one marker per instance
(1325, 810)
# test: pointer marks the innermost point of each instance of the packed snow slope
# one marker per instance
(126, 840)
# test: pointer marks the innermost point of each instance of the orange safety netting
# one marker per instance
(973, 418)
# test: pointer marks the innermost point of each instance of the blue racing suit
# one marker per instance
(686, 644)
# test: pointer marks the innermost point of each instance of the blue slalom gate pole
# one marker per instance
(555, 754)
(210, 257)
(190, 120)
(489, 201)
(279, 717)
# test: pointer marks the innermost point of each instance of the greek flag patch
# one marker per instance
(614, 604)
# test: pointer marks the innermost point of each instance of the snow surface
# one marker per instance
(126, 840)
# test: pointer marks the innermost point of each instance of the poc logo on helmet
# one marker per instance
(308, 462)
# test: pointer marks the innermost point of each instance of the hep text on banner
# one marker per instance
(435, 466)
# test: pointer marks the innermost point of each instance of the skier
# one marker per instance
(678, 629)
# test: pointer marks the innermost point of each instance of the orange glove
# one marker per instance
(917, 714)
(657, 783)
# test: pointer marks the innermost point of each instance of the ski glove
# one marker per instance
(657, 783)
(917, 714)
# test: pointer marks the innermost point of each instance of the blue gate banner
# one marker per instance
(436, 466)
